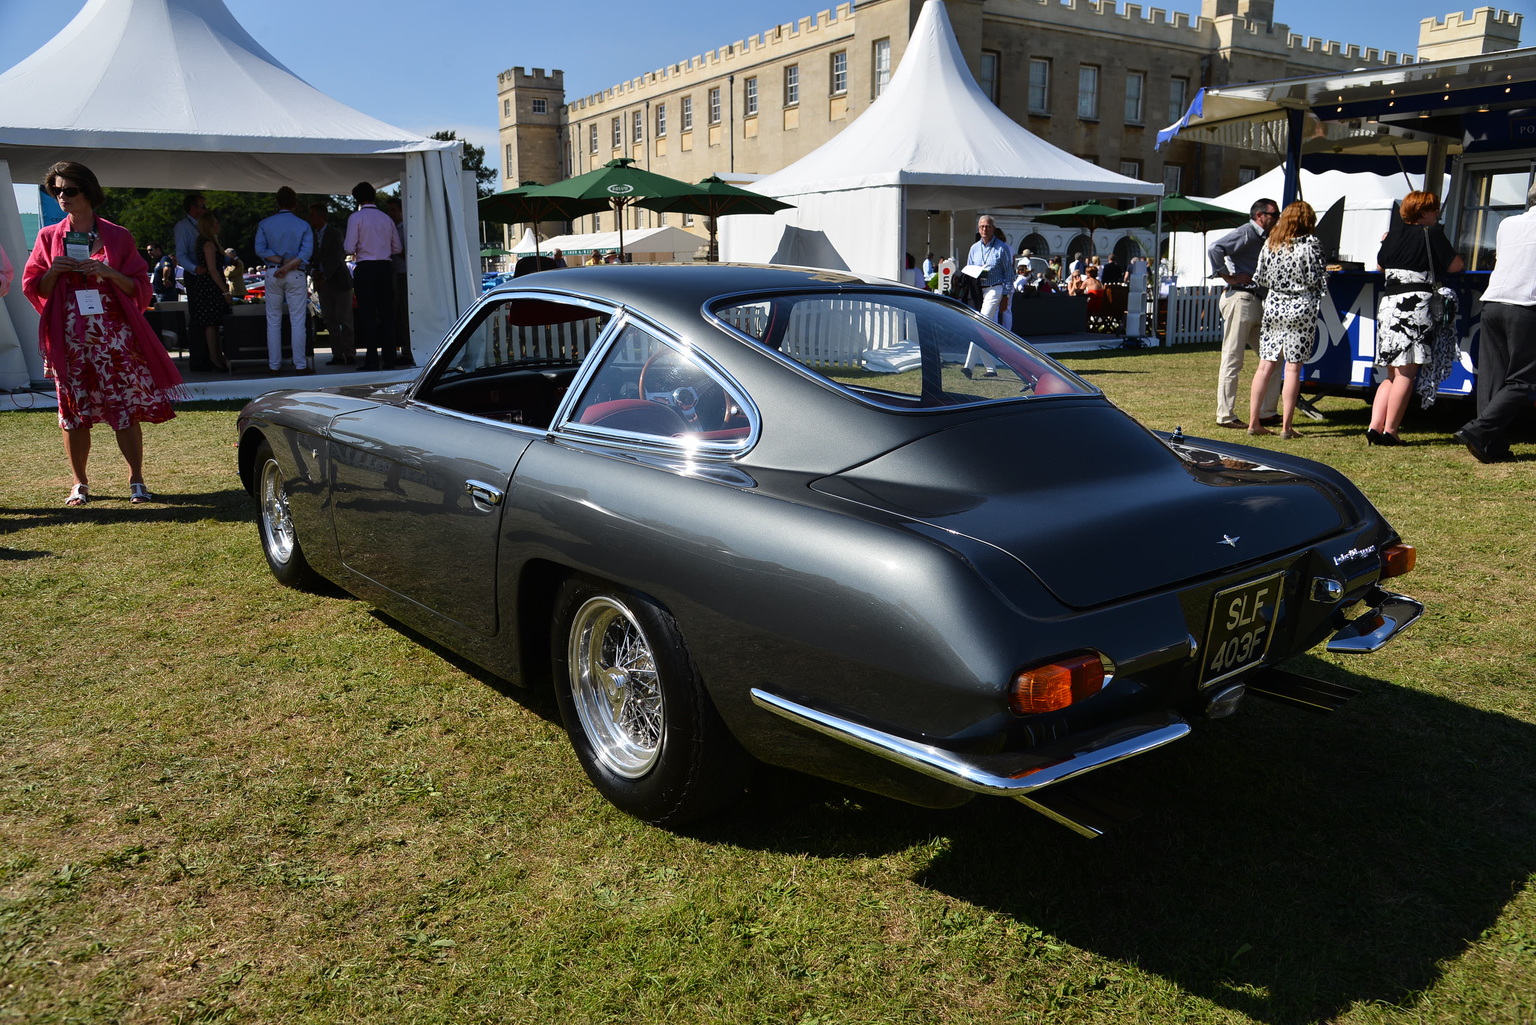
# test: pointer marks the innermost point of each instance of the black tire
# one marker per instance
(279, 538)
(635, 709)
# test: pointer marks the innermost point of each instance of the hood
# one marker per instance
(1093, 504)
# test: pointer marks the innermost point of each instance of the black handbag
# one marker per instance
(1439, 316)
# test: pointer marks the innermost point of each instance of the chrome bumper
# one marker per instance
(1015, 774)
(1390, 614)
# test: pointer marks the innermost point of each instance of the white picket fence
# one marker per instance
(1194, 314)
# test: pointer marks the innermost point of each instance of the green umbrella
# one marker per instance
(1180, 213)
(618, 184)
(716, 198)
(1087, 216)
(494, 251)
(522, 206)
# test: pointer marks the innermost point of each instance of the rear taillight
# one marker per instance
(1397, 560)
(1056, 685)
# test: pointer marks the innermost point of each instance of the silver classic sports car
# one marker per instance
(739, 514)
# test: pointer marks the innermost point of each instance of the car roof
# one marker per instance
(682, 288)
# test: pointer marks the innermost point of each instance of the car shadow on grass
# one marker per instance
(1288, 865)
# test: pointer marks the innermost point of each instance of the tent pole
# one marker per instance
(1156, 278)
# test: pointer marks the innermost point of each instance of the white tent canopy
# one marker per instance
(669, 241)
(176, 94)
(933, 140)
(1368, 200)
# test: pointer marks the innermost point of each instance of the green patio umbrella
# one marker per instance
(716, 198)
(1180, 213)
(616, 183)
(522, 206)
(1088, 216)
(493, 251)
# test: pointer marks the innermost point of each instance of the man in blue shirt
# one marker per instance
(994, 259)
(194, 206)
(1234, 258)
(285, 243)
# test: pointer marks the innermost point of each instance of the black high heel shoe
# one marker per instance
(1373, 437)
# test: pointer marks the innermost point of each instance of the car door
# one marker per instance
(419, 487)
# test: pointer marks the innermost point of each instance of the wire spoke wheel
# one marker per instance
(277, 533)
(616, 688)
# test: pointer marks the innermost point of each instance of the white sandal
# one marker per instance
(78, 495)
(139, 494)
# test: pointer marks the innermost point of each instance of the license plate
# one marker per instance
(1242, 623)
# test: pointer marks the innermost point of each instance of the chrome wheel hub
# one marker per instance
(615, 687)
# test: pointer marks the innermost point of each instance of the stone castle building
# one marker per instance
(1096, 79)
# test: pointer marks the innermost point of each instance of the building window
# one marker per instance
(687, 220)
(540, 105)
(990, 60)
(592, 137)
(618, 132)
(1173, 177)
(661, 120)
(507, 167)
(839, 72)
(597, 222)
(638, 127)
(506, 108)
(792, 85)
(882, 65)
(714, 105)
(1130, 168)
(1088, 92)
(1178, 98)
(1246, 175)
(1039, 86)
(1135, 84)
(687, 113)
(749, 94)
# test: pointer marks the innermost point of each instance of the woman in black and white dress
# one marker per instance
(1291, 267)
(1416, 351)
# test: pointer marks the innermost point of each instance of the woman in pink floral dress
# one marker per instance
(91, 285)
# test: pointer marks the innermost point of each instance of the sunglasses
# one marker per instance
(69, 191)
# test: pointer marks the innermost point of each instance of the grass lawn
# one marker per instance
(221, 800)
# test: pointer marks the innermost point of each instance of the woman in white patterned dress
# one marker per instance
(1291, 267)
(1415, 351)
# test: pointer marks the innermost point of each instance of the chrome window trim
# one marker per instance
(563, 426)
(497, 297)
(1090, 389)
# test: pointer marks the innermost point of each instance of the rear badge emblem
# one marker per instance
(1230, 541)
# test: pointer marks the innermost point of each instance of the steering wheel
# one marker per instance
(669, 378)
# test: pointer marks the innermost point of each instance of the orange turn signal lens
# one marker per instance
(1056, 685)
(1397, 560)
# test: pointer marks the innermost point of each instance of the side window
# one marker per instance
(515, 360)
(645, 386)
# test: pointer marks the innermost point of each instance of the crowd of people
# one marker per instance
(302, 255)
(1276, 281)
(92, 285)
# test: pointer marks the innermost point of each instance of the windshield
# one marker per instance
(899, 350)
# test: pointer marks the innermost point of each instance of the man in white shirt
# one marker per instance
(1506, 353)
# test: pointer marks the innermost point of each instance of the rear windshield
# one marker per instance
(904, 351)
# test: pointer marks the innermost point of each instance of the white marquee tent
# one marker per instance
(1367, 199)
(932, 141)
(176, 94)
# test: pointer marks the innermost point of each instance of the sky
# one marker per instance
(431, 65)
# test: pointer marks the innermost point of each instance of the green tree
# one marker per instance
(474, 162)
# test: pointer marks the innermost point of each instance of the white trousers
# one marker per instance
(290, 290)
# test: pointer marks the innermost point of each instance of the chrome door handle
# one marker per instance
(480, 491)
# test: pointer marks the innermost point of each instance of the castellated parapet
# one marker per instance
(828, 27)
(1486, 30)
(538, 78)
